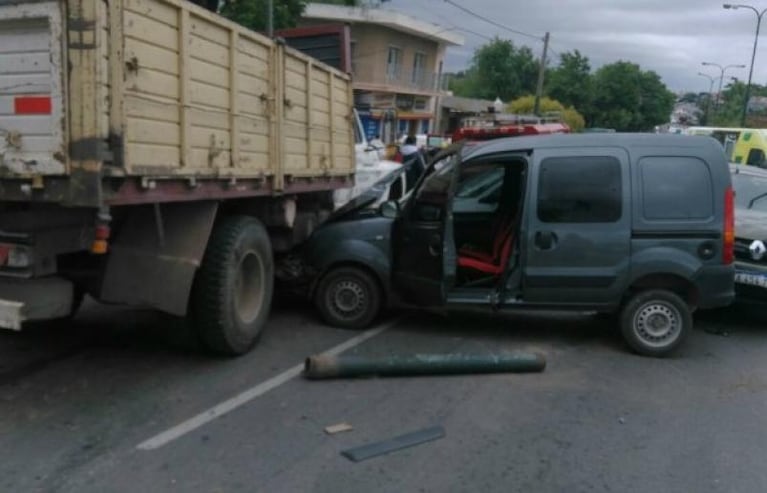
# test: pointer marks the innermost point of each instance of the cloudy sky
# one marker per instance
(671, 37)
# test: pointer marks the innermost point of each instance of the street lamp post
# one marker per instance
(722, 70)
(710, 90)
(753, 54)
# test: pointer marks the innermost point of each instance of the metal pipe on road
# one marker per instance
(344, 366)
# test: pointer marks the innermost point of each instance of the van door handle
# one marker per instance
(545, 240)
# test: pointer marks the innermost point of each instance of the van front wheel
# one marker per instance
(655, 322)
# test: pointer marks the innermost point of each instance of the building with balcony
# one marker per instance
(396, 63)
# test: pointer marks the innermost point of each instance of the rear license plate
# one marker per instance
(751, 279)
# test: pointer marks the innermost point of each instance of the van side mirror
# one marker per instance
(390, 209)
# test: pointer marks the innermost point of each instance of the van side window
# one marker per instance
(580, 190)
(676, 188)
(755, 157)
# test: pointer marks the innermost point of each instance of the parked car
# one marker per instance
(750, 185)
(637, 225)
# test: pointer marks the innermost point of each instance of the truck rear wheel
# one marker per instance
(233, 289)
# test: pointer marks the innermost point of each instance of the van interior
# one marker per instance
(487, 212)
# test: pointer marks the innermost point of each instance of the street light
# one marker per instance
(722, 70)
(710, 89)
(753, 54)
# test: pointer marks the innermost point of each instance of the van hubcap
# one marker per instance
(657, 323)
(348, 299)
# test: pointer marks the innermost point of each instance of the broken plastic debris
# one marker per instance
(338, 428)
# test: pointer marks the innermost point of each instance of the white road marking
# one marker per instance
(229, 405)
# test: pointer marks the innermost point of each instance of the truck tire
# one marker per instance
(233, 288)
(655, 322)
(348, 297)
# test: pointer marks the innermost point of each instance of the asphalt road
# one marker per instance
(77, 401)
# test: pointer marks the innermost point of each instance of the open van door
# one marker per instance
(422, 241)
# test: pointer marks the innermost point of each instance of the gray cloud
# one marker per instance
(671, 37)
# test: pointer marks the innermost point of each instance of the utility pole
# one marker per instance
(541, 72)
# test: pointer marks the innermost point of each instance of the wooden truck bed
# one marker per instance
(162, 101)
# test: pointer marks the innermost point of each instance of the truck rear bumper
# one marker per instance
(43, 298)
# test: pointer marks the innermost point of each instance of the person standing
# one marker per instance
(413, 161)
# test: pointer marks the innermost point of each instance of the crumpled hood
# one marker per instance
(368, 197)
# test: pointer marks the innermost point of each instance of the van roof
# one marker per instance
(701, 144)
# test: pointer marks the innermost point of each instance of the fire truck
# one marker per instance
(497, 125)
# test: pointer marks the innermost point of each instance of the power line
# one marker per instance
(469, 31)
(490, 21)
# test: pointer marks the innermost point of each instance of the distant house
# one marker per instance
(396, 63)
(757, 104)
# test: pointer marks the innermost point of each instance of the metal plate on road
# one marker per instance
(751, 279)
(397, 443)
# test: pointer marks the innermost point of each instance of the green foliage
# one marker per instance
(253, 13)
(689, 97)
(569, 115)
(730, 109)
(629, 99)
(571, 81)
(498, 69)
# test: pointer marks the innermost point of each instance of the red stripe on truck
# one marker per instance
(32, 105)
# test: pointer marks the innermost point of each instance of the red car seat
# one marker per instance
(494, 262)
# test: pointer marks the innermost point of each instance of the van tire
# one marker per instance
(655, 322)
(233, 289)
(348, 297)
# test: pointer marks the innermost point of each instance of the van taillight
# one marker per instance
(728, 251)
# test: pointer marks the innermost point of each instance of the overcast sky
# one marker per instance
(671, 37)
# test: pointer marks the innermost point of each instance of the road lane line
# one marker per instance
(262, 388)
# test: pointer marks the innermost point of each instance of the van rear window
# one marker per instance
(678, 188)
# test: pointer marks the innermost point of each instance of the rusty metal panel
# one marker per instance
(31, 90)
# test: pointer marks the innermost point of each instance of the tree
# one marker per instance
(731, 104)
(569, 115)
(253, 13)
(499, 69)
(690, 97)
(571, 83)
(629, 99)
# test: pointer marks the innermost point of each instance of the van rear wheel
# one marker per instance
(655, 322)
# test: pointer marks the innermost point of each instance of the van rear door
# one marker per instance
(31, 102)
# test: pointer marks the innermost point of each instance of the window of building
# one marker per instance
(676, 188)
(394, 63)
(419, 69)
(420, 104)
(579, 190)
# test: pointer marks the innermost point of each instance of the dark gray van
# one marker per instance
(640, 225)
